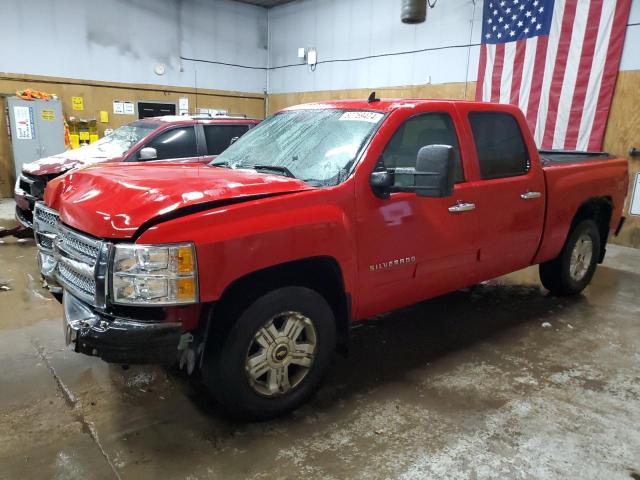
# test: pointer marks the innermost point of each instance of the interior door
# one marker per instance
(511, 194)
(412, 248)
(50, 128)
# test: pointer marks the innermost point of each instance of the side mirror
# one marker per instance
(381, 183)
(148, 153)
(435, 171)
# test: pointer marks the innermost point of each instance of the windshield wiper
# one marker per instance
(276, 168)
(219, 164)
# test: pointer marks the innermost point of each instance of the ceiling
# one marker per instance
(266, 3)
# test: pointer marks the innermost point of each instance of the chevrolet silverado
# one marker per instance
(253, 267)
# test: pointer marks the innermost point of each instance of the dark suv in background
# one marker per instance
(180, 138)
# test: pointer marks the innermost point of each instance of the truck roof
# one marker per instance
(386, 105)
(201, 119)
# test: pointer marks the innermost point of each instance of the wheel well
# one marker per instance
(598, 209)
(322, 274)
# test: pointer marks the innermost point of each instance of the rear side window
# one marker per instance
(219, 137)
(175, 143)
(417, 132)
(499, 143)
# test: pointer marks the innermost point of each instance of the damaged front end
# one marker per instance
(75, 268)
(116, 339)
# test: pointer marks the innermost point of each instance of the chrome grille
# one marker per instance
(77, 255)
(79, 244)
(46, 215)
(84, 283)
(45, 226)
(45, 242)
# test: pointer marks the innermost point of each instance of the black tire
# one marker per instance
(556, 274)
(224, 368)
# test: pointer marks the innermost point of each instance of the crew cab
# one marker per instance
(253, 267)
(178, 138)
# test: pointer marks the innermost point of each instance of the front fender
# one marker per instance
(237, 240)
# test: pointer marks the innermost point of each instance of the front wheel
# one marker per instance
(571, 271)
(275, 355)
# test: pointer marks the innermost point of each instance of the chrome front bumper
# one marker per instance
(117, 339)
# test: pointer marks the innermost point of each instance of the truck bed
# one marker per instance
(573, 178)
(562, 157)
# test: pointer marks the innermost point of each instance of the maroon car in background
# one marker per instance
(180, 138)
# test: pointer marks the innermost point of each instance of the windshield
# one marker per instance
(120, 140)
(318, 146)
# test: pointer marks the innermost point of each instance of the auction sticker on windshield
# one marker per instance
(372, 117)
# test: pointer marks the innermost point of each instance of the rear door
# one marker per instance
(510, 191)
(219, 137)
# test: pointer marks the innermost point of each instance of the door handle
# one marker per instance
(530, 195)
(462, 207)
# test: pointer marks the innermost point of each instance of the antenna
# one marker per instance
(372, 98)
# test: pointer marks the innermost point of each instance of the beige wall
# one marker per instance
(623, 127)
(100, 96)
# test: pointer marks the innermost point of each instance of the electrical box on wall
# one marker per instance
(312, 57)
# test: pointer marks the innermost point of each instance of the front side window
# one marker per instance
(417, 132)
(499, 144)
(318, 145)
(175, 143)
(219, 137)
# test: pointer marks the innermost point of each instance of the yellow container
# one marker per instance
(93, 138)
(74, 140)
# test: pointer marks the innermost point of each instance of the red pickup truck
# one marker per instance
(179, 138)
(254, 266)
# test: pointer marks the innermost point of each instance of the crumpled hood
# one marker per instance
(113, 200)
(64, 161)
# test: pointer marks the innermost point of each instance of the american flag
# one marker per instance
(558, 61)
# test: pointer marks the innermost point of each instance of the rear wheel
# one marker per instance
(275, 355)
(572, 270)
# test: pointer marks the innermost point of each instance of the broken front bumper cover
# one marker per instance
(116, 339)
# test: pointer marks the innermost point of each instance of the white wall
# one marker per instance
(631, 52)
(344, 29)
(122, 41)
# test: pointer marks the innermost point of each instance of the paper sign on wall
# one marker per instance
(77, 103)
(48, 114)
(129, 109)
(104, 116)
(634, 207)
(118, 107)
(24, 122)
(183, 105)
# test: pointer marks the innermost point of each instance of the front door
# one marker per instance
(412, 248)
(179, 144)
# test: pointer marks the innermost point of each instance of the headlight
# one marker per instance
(154, 274)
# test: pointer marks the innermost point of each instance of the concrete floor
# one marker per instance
(498, 381)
